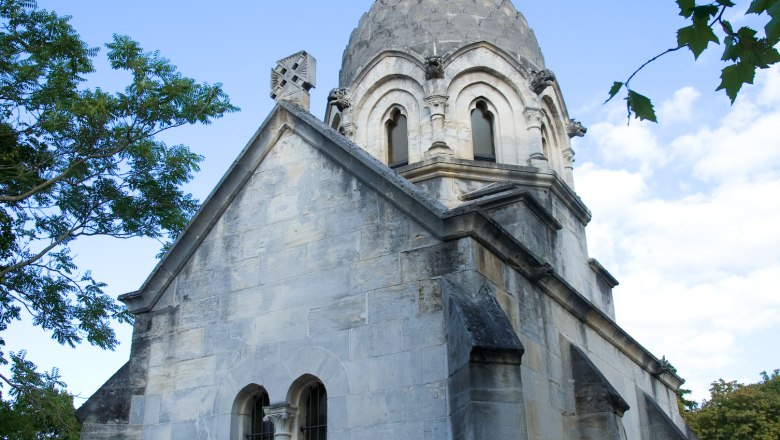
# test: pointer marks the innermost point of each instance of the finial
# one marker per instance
(293, 77)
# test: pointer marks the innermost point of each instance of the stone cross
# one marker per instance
(293, 77)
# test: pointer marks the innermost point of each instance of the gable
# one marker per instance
(298, 215)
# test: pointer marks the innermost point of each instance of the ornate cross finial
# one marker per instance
(574, 128)
(541, 80)
(293, 77)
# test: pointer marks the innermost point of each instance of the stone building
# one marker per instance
(413, 267)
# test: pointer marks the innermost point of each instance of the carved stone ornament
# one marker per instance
(282, 417)
(437, 104)
(541, 271)
(434, 67)
(340, 98)
(293, 77)
(568, 157)
(534, 117)
(664, 366)
(541, 80)
(348, 130)
(574, 128)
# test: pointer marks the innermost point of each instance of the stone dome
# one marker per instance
(415, 25)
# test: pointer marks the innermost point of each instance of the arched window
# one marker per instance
(545, 148)
(248, 413)
(397, 140)
(259, 429)
(482, 133)
(315, 412)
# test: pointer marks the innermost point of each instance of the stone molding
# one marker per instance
(444, 224)
(496, 172)
(603, 273)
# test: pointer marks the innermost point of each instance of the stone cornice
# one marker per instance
(603, 273)
(492, 172)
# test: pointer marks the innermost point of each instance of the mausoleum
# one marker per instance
(414, 266)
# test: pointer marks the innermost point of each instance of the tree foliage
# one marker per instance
(744, 49)
(739, 412)
(39, 406)
(78, 161)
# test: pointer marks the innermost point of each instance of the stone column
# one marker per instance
(283, 418)
(568, 164)
(534, 118)
(437, 105)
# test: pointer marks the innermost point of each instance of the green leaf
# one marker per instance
(696, 36)
(734, 76)
(759, 6)
(641, 106)
(772, 28)
(727, 28)
(614, 90)
(686, 7)
(726, 3)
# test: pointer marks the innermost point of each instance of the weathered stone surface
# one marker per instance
(414, 26)
(435, 301)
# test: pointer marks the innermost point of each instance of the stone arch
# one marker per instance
(322, 364)
(300, 397)
(388, 61)
(393, 93)
(556, 130)
(466, 91)
(241, 412)
(393, 118)
(495, 62)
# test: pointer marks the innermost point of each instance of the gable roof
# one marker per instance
(445, 224)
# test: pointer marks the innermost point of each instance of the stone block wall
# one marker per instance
(307, 272)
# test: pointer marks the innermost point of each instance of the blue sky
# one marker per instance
(685, 212)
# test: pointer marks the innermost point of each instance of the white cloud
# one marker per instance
(680, 108)
(691, 232)
(635, 143)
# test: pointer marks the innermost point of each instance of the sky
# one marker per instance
(685, 212)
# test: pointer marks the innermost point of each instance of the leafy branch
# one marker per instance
(78, 161)
(744, 49)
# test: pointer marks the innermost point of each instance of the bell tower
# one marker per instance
(455, 97)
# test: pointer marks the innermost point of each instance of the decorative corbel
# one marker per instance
(542, 79)
(434, 67)
(340, 98)
(574, 128)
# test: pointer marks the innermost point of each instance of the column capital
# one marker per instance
(534, 117)
(283, 418)
(437, 104)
